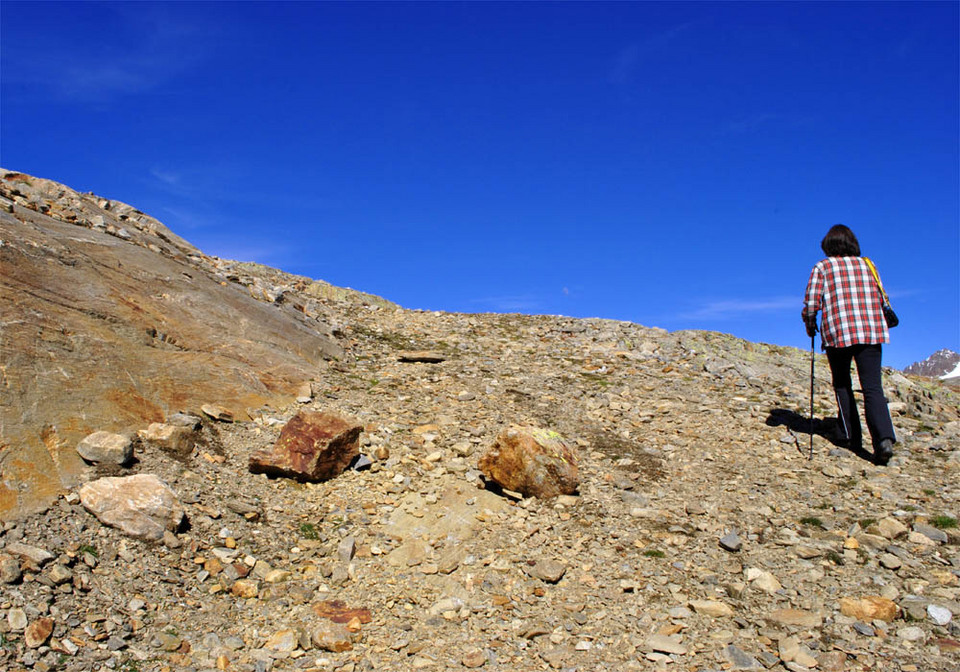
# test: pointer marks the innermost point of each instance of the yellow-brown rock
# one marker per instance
(532, 461)
(869, 608)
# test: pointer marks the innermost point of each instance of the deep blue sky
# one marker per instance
(672, 164)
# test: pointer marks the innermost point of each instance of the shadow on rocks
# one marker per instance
(826, 428)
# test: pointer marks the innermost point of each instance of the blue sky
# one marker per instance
(670, 164)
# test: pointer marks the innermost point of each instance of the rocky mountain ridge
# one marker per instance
(938, 365)
(701, 537)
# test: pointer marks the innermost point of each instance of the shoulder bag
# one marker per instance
(888, 315)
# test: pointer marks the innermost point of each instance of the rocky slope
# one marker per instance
(701, 538)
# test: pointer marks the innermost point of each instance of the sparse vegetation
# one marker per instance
(654, 553)
(812, 521)
(309, 531)
(943, 522)
(596, 378)
(834, 557)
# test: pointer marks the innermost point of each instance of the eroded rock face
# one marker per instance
(313, 446)
(141, 505)
(93, 290)
(532, 461)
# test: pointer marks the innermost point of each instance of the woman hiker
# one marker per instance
(852, 328)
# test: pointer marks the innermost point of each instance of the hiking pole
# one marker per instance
(812, 360)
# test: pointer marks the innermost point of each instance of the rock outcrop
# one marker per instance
(111, 321)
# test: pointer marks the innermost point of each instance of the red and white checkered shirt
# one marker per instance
(844, 289)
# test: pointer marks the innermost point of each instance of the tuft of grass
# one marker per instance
(930, 492)
(812, 521)
(87, 548)
(654, 553)
(596, 378)
(834, 557)
(309, 531)
(867, 522)
(943, 522)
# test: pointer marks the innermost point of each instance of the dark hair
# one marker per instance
(840, 242)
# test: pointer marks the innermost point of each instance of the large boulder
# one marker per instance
(532, 461)
(142, 505)
(313, 446)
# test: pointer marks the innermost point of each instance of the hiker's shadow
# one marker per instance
(826, 428)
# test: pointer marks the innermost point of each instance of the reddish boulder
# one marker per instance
(312, 447)
(532, 461)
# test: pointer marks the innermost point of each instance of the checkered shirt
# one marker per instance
(844, 289)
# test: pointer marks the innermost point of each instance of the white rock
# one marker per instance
(911, 634)
(17, 619)
(939, 615)
(142, 505)
(106, 448)
(763, 580)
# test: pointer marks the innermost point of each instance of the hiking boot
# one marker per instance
(884, 452)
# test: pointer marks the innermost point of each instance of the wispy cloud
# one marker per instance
(729, 309)
(629, 59)
(748, 124)
(509, 303)
(165, 177)
(129, 49)
(268, 253)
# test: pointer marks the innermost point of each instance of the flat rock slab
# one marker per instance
(34, 554)
(796, 617)
(869, 608)
(141, 505)
(457, 515)
(423, 356)
(313, 446)
(338, 612)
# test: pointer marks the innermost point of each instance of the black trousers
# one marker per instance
(875, 410)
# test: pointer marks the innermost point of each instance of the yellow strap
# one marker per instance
(876, 277)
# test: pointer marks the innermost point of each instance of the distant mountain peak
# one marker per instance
(943, 364)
